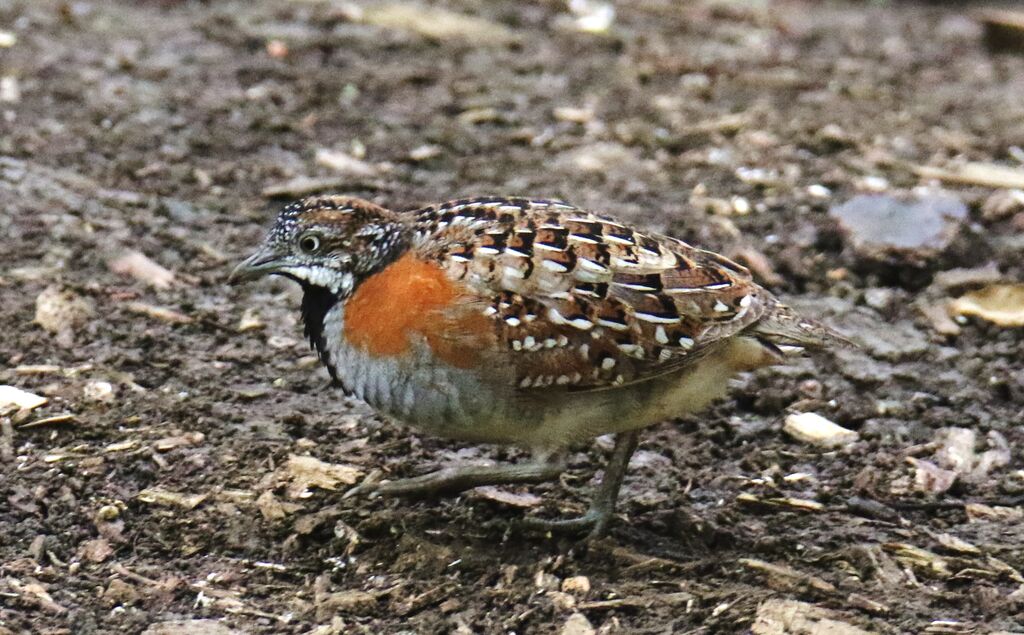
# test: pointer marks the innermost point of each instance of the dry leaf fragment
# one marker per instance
(305, 472)
(139, 266)
(167, 498)
(1002, 304)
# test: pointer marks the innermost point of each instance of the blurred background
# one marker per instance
(172, 457)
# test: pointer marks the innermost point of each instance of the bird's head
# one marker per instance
(329, 242)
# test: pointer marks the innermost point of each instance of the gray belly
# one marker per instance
(457, 403)
(419, 391)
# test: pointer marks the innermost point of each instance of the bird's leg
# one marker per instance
(602, 506)
(451, 480)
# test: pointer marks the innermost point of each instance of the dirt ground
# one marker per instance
(160, 488)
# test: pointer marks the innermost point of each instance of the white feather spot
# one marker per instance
(512, 321)
(686, 342)
(608, 363)
(660, 335)
(554, 267)
(615, 326)
(562, 380)
(720, 307)
(582, 324)
(550, 342)
(657, 319)
(590, 265)
(529, 342)
(745, 301)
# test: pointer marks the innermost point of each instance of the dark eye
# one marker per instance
(309, 243)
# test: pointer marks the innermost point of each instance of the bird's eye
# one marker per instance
(310, 243)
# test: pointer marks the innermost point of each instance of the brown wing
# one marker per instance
(583, 301)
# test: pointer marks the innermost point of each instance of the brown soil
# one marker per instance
(156, 125)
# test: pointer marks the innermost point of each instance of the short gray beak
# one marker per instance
(263, 262)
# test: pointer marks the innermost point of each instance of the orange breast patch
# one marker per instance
(410, 297)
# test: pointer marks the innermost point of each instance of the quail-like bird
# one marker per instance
(521, 321)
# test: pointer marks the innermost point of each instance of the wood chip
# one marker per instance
(37, 369)
(782, 617)
(344, 163)
(523, 500)
(273, 508)
(306, 185)
(978, 511)
(437, 24)
(1001, 304)
(48, 421)
(921, 560)
(983, 174)
(160, 313)
(815, 429)
(577, 624)
(577, 585)
(930, 478)
(138, 265)
(166, 498)
(11, 396)
(179, 441)
(785, 578)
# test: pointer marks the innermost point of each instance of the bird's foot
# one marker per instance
(452, 480)
(596, 522)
